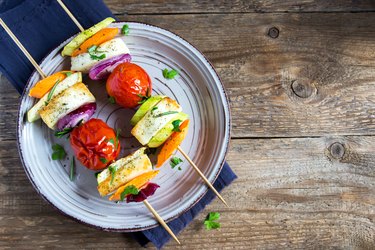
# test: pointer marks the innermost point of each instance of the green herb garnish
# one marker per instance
(175, 161)
(211, 221)
(50, 94)
(170, 74)
(112, 100)
(68, 73)
(96, 174)
(165, 113)
(58, 152)
(103, 160)
(72, 167)
(113, 170)
(60, 134)
(125, 30)
(129, 190)
(154, 108)
(144, 97)
(93, 51)
(176, 125)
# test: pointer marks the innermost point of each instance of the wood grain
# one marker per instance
(235, 6)
(323, 52)
(291, 193)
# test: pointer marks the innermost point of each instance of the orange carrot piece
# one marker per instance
(138, 182)
(172, 143)
(43, 86)
(100, 37)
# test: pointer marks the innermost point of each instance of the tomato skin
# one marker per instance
(127, 83)
(92, 143)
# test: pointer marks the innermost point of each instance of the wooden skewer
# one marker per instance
(147, 204)
(161, 221)
(18, 43)
(70, 15)
(202, 175)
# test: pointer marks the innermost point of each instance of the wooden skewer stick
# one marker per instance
(18, 43)
(70, 15)
(161, 221)
(202, 175)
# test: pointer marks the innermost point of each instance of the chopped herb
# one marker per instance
(58, 152)
(175, 161)
(150, 151)
(154, 108)
(210, 222)
(112, 100)
(93, 51)
(49, 97)
(125, 30)
(179, 168)
(129, 190)
(72, 167)
(165, 113)
(170, 74)
(96, 174)
(60, 134)
(144, 97)
(68, 73)
(103, 160)
(118, 131)
(176, 125)
(113, 170)
(111, 141)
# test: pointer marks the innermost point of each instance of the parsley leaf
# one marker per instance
(165, 113)
(176, 125)
(170, 74)
(175, 161)
(49, 97)
(68, 73)
(103, 160)
(72, 167)
(112, 100)
(93, 51)
(60, 134)
(58, 152)
(210, 222)
(113, 170)
(125, 30)
(129, 190)
(153, 109)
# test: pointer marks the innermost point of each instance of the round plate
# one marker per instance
(200, 93)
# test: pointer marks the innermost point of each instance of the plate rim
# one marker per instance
(156, 224)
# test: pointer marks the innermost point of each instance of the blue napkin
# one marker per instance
(41, 25)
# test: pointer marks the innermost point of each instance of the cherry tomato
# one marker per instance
(95, 144)
(128, 84)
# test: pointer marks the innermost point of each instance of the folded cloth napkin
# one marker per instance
(41, 25)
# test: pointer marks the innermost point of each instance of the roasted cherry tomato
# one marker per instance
(128, 84)
(95, 144)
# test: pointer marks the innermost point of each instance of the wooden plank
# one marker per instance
(327, 59)
(244, 6)
(291, 193)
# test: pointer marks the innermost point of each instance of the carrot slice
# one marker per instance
(43, 86)
(138, 182)
(100, 37)
(172, 143)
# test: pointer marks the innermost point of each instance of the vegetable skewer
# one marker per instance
(43, 75)
(70, 15)
(185, 155)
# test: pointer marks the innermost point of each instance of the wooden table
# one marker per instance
(301, 84)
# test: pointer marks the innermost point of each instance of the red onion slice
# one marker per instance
(143, 194)
(83, 113)
(104, 68)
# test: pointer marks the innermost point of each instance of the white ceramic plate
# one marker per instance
(199, 91)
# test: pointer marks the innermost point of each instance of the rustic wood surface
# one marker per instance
(301, 84)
